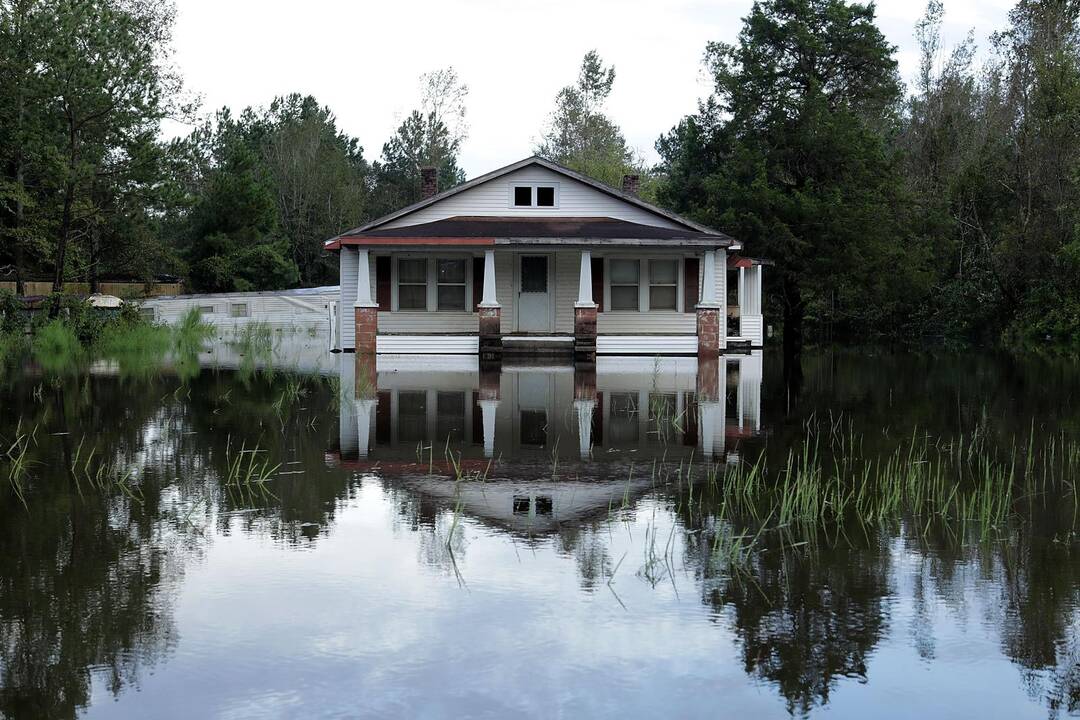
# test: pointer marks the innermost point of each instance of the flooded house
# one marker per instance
(537, 258)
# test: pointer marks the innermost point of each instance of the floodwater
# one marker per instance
(309, 536)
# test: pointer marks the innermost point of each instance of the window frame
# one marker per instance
(464, 284)
(644, 283)
(233, 308)
(431, 282)
(677, 284)
(533, 186)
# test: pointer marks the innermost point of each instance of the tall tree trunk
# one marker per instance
(69, 201)
(92, 269)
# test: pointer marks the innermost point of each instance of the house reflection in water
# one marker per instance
(397, 408)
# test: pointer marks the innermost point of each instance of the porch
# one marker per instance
(543, 299)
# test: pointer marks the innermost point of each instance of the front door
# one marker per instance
(534, 294)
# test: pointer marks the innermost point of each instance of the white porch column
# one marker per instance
(363, 280)
(742, 290)
(708, 280)
(488, 408)
(584, 295)
(585, 410)
(363, 425)
(489, 300)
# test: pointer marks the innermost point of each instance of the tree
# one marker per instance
(230, 236)
(108, 81)
(992, 158)
(430, 136)
(23, 25)
(579, 134)
(792, 155)
(319, 177)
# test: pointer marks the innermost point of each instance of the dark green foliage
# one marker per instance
(952, 213)
(12, 313)
(792, 155)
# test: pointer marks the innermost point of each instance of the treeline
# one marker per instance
(946, 209)
(951, 210)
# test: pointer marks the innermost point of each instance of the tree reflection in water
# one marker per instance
(89, 577)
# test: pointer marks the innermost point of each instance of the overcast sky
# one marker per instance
(364, 58)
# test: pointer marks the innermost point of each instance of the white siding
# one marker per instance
(567, 275)
(504, 290)
(493, 199)
(428, 322)
(664, 322)
(646, 344)
(751, 328)
(428, 344)
(348, 270)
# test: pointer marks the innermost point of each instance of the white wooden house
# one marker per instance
(535, 256)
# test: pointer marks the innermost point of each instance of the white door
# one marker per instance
(534, 294)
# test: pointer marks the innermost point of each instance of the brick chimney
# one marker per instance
(630, 184)
(429, 182)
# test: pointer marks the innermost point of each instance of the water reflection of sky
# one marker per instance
(562, 578)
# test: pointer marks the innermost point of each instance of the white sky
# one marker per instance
(364, 58)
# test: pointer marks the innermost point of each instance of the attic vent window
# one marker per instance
(527, 196)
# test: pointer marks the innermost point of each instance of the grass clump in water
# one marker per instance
(57, 348)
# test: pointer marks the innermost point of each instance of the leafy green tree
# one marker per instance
(319, 177)
(792, 155)
(234, 219)
(580, 135)
(992, 159)
(106, 72)
(430, 136)
(23, 25)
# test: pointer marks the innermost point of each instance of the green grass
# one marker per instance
(57, 348)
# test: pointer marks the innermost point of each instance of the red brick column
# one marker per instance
(585, 334)
(490, 333)
(490, 382)
(708, 379)
(366, 379)
(367, 327)
(584, 381)
(708, 331)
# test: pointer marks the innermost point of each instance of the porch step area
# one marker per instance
(542, 345)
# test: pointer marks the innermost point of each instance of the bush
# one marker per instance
(12, 313)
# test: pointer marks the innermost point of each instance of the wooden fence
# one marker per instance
(119, 289)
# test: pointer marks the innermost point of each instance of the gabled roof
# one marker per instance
(542, 162)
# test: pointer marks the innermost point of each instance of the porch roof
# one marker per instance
(480, 231)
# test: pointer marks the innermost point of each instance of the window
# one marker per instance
(147, 314)
(238, 310)
(625, 278)
(449, 417)
(642, 285)
(545, 196)
(663, 284)
(623, 419)
(206, 309)
(412, 284)
(450, 276)
(412, 416)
